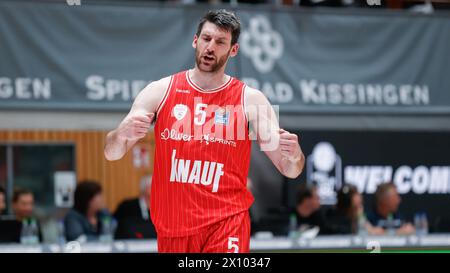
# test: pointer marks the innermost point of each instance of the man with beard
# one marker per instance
(199, 199)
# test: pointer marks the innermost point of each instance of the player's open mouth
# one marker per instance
(208, 59)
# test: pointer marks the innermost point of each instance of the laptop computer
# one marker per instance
(10, 230)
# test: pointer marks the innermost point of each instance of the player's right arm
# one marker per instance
(137, 123)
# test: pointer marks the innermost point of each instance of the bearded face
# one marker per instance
(208, 62)
(213, 48)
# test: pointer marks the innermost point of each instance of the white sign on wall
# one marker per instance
(65, 183)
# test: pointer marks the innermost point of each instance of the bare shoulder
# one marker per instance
(162, 83)
(150, 97)
(157, 88)
(253, 96)
(254, 99)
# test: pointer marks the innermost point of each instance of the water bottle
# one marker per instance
(293, 226)
(25, 232)
(390, 225)
(34, 232)
(106, 234)
(362, 229)
(61, 233)
(421, 224)
(417, 224)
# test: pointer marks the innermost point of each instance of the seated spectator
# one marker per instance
(345, 217)
(23, 206)
(308, 210)
(84, 220)
(133, 215)
(2, 200)
(385, 212)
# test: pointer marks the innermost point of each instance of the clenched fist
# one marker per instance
(290, 148)
(135, 126)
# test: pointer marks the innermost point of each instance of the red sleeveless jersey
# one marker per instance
(202, 157)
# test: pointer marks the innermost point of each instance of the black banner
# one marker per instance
(417, 162)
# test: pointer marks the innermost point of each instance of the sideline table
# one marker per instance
(335, 243)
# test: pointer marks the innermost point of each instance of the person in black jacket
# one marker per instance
(308, 209)
(385, 212)
(345, 217)
(23, 209)
(133, 215)
(84, 221)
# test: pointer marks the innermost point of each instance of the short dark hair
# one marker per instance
(18, 192)
(2, 190)
(305, 191)
(85, 191)
(382, 189)
(225, 20)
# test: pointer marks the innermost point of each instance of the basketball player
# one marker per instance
(199, 199)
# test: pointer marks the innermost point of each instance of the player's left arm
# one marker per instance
(281, 146)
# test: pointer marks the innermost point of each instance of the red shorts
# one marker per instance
(231, 235)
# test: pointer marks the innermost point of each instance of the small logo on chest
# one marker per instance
(221, 116)
(179, 111)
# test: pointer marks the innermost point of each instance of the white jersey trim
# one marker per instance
(199, 89)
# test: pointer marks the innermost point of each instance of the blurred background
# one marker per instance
(364, 83)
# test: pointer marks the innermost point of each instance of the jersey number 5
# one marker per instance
(233, 247)
(200, 114)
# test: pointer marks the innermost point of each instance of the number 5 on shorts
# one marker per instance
(233, 247)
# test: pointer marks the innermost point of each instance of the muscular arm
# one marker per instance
(136, 124)
(279, 145)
